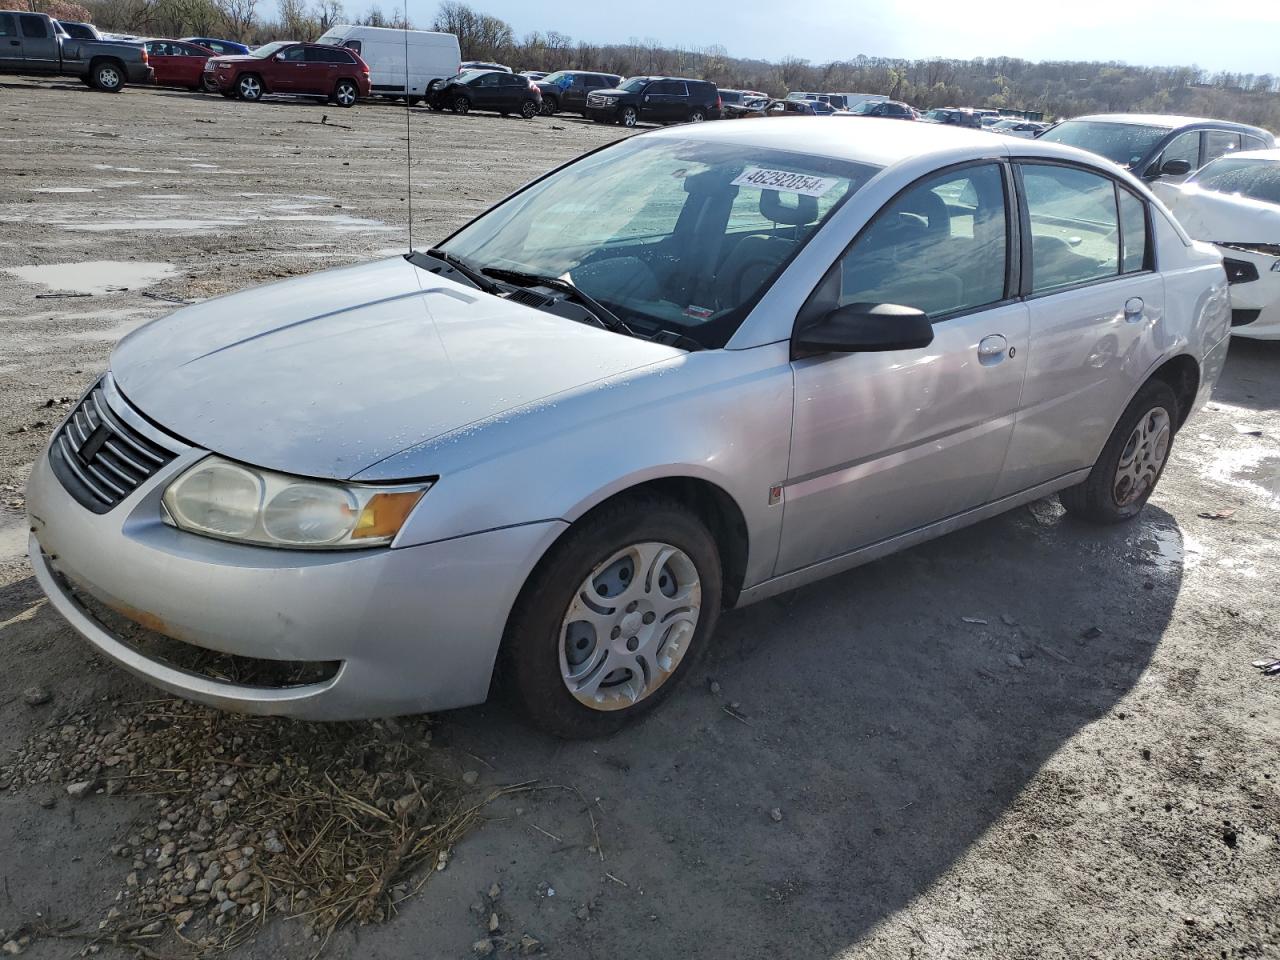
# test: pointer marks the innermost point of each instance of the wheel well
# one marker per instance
(718, 511)
(1182, 374)
(99, 61)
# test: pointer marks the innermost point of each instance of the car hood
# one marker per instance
(237, 58)
(1224, 217)
(326, 375)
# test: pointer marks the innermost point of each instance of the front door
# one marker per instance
(485, 91)
(39, 45)
(287, 70)
(660, 100)
(883, 443)
(1094, 298)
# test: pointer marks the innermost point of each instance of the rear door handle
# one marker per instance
(991, 349)
(1133, 309)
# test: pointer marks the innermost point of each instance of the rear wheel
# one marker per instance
(1125, 475)
(622, 606)
(529, 109)
(549, 106)
(249, 87)
(461, 104)
(697, 115)
(629, 117)
(345, 93)
(108, 76)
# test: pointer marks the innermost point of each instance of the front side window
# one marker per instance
(1122, 143)
(34, 28)
(668, 88)
(1185, 146)
(1075, 232)
(635, 84)
(268, 50)
(669, 234)
(940, 246)
(7, 28)
(296, 55)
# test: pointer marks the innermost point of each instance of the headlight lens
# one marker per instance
(218, 498)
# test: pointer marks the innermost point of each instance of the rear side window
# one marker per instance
(1254, 143)
(34, 27)
(1075, 232)
(355, 45)
(940, 246)
(1133, 232)
(669, 88)
(1220, 142)
(7, 26)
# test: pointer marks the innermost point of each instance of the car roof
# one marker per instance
(875, 141)
(1169, 121)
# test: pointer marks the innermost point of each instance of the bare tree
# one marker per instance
(238, 15)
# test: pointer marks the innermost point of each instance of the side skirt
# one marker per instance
(856, 558)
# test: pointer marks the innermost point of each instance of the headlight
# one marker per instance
(610, 101)
(218, 498)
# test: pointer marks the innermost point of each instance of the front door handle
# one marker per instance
(1133, 309)
(15, 43)
(992, 349)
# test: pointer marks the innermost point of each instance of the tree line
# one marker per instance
(1057, 88)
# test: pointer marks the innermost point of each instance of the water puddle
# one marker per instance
(107, 166)
(174, 224)
(338, 221)
(63, 190)
(1255, 469)
(1170, 550)
(95, 276)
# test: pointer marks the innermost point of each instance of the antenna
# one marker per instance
(408, 130)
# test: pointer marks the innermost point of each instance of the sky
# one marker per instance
(1238, 37)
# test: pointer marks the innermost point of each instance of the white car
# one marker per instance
(1234, 202)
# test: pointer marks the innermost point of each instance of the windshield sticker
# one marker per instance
(698, 313)
(785, 181)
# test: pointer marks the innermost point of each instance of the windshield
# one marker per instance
(675, 235)
(1255, 179)
(554, 78)
(1122, 143)
(938, 114)
(866, 106)
(635, 84)
(267, 50)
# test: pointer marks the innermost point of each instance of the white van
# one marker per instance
(432, 56)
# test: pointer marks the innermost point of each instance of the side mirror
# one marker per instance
(865, 328)
(1174, 168)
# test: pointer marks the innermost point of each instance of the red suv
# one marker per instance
(292, 69)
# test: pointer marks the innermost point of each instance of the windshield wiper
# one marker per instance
(456, 263)
(604, 316)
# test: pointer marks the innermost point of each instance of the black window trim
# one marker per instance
(1012, 239)
(1024, 216)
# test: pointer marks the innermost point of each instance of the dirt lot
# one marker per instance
(1028, 739)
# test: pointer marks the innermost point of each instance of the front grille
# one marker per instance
(99, 458)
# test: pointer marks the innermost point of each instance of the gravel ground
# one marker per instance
(1027, 739)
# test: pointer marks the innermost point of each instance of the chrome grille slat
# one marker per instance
(99, 457)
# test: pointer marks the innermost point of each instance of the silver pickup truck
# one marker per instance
(31, 43)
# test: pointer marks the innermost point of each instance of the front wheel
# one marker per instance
(345, 93)
(630, 117)
(529, 109)
(1126, 473)
(108, 77)
(461, 105)
(620, 608)
(249, 88)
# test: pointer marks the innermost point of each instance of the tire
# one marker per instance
(1132, 462)
(697, 115)
(550, 106)
(535, 665)
(249, 87)
(461, 105)
(209, 83)
(108, 76)
(629, 117)
(529, 109)
(346, 93)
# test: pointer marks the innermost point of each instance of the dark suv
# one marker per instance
(568, 89)
(486, 90)
(659, 99)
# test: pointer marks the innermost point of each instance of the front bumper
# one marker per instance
(602, 113)
(413, 629)
(1255, 305)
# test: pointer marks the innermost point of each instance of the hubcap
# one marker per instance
(109, 77)
(696, 118)
(629, 625)
(629, 118)
(346, 94)
(1143, 457)
(249, 88)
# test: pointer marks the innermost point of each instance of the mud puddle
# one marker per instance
(95, 276)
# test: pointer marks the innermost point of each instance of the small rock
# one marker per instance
(470, 777)
(35, 696)
(477, 907)
(714, 686)
(495, 891)
(81, 788)
(775, 815)
(584, 913)
(442, 860)
(1092, 633)
(273, 845)
(227, 905)
(155, 926)
(183, 918)
(239, 881)
(12, 947)
(1013, 660)
(1007, 620)
(494, 923)
(482, 948)
(49, 802)
(529, 945)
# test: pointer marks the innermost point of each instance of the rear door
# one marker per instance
(320, 71)
(39, 45)
(512, 90)
(10, 43)
(1095, 298)
(883, 443)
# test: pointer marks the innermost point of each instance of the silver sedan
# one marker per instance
(683, 373)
